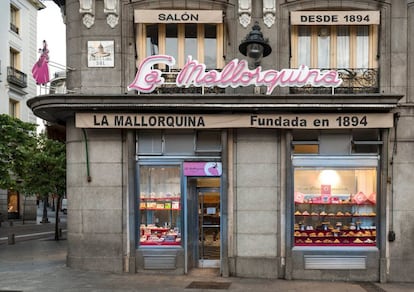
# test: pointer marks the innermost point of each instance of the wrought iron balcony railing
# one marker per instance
(16, 77)
(170, 86)
(359, 80)
(354, 81)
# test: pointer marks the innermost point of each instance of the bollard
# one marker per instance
(10, 223)
(11, 238)
(60, 232)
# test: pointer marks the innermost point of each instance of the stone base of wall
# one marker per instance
(101, 264)
(252, 267)
(401, 270)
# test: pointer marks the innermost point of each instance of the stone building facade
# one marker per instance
(298, 169)
(18, 53)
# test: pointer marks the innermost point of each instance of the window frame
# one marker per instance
(15, 58)
(139, 199)
(142, 46)
(372, 45)
(14, 19)
(14, 108)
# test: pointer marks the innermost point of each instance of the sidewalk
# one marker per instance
(31, 229)
(39, 265)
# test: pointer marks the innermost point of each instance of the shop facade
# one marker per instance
(278, 171)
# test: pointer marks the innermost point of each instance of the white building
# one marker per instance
(18, 54)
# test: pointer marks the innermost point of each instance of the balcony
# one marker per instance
(354, 81)
(170, 87)
(16, 77)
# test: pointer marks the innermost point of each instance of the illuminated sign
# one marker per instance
(334, 17)
(203, 168)
(236, 73)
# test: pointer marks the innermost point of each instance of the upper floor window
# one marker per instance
(342, 46)
(342, 40)
(181, 33)
(14, 58)
(199, 40)
(14, 18)
(14, 108)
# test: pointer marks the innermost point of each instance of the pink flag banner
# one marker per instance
(40, 70)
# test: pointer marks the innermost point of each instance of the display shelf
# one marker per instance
(160, 205)
(154, 235)
(335, 223)
(160, 199)
(337, 216)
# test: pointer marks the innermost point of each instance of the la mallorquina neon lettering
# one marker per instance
(236, 73)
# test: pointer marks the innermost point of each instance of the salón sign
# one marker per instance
(235, 74)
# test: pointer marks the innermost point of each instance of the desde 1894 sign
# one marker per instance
(236, 73)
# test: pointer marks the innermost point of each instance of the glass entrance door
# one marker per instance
(209, 227)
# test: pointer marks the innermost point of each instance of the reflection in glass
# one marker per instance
(190, 48)
(342, 39)
(304, 46)
(210, 44)
(362, 46)
(324, 45)
(152, 40)
(171, 40)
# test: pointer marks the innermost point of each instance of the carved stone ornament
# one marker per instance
(88, 20)
(87, 8)
(111, 9)
(245, 12)
(112, 20)
(269, 12)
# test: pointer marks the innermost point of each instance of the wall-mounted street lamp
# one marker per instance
(255, 46)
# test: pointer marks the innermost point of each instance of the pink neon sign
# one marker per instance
(236, 73)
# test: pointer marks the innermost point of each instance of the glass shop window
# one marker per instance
(202, 41)
(185, 143)
(159, 205)
(335, 205)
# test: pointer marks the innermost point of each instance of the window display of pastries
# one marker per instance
(352, 223)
